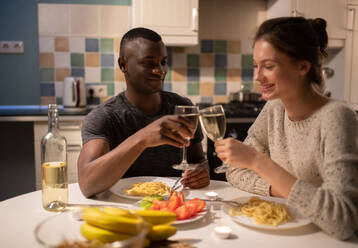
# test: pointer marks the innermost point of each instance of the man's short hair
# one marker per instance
(136, 33)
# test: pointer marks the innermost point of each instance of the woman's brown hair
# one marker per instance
(300, 39)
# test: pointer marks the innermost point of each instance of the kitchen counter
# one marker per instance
(30, 113)
(39, 113)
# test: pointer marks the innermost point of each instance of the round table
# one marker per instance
(20, 215)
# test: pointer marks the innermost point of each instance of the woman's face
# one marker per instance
(279, 76)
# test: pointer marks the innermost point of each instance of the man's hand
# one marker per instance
(169, 130)
(198, 178)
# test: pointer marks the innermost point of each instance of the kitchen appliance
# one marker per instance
(245, 96)
(74, 93)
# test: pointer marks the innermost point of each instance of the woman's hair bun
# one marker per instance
(319, 25)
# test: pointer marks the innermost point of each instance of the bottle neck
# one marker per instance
(53, 119)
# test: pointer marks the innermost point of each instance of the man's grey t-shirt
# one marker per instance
(117, 119)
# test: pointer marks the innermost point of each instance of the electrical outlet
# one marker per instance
(11, 47)
(97, 90)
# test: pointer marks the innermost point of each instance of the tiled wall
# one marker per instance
(83, 40)
(209, 71)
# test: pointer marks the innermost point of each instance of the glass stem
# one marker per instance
(184, 156)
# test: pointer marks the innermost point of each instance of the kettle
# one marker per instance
(74, 92)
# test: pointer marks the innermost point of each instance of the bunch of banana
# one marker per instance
(111, 224)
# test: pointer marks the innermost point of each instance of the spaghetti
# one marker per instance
(264, 212)
(148, 189)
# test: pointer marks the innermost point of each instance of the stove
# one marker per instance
(237, 109)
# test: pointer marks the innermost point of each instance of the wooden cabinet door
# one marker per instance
(71, 130)
(175, 20)
(333, 11)
(351, 85)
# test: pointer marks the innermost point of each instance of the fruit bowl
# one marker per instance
(63, 230)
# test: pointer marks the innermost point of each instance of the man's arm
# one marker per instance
(99, 168)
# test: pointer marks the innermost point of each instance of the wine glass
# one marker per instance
(192, 114)
(213, 122)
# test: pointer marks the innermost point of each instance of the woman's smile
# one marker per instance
(267, 88)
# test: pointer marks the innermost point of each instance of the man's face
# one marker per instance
(146, 64)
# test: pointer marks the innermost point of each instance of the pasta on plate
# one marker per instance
(148, 189)
(264, 212)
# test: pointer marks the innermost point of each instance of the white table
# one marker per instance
(20, 215)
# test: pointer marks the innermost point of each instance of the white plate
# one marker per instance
(197, 217)
(298, 221)
(125, 183)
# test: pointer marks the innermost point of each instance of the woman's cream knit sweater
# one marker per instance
(321, 152)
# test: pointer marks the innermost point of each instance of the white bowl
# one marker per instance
(212, 195)
(222, 232)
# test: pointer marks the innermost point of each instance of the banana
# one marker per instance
(120, 212)
(161, 232)
(97, 217)
(102, 235)
(156, 217)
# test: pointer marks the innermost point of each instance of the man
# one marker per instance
(135, 133)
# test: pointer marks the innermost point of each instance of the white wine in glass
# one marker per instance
(192, 114)
(213, 122)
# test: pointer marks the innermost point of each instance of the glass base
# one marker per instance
(222, 169)
(55, 206)
(184, 166)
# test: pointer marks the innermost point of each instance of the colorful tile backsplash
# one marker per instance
(205, 73)
(81, 39)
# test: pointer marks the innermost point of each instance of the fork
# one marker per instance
(176, 185)
(232, 203)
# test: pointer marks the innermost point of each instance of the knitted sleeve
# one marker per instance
(334, 205)
(246, 179)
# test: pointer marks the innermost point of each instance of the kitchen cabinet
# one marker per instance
(17, 174)
(351, 74)
(333, 11)
(71, 130)
(175, 20)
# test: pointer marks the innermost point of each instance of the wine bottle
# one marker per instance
(54, 164)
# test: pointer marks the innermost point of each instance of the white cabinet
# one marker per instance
(71, 130)
(175, 20)
(351, 82)
(333, 11)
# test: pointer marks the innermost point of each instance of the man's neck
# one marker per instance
(149, 104)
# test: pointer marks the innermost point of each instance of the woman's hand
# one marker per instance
(237, 154)
(198, 178)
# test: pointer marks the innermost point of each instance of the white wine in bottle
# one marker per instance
(54, 165)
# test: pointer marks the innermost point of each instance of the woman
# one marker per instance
(303, 145)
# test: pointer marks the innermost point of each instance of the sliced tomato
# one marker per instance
(167, 210)
(192, 208)
(182, 212)
(181, 198)
(174, 201)
(154, 207)
(200, 204)
(160, 204)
